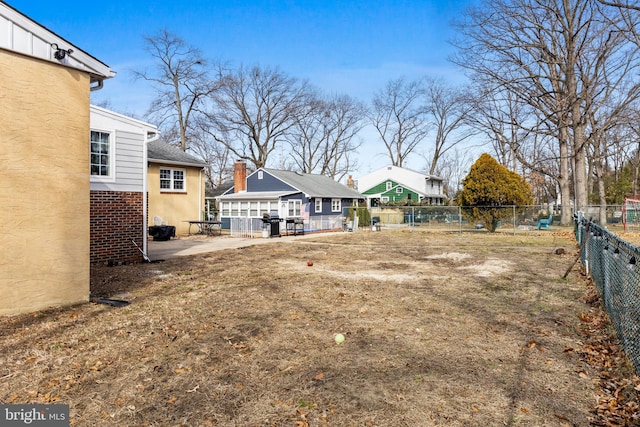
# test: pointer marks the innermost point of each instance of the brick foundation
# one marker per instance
(116, 218)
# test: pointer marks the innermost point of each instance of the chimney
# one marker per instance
(239, 176)
(350, 182)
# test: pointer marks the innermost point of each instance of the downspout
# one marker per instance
(200, 196)
(98, 86)
(145, 189)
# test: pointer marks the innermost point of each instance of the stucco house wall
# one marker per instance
(175, 207)
(44, 152)
(45, 207)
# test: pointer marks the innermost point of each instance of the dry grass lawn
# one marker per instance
(441, 330)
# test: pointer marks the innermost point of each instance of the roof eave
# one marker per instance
(176, 163)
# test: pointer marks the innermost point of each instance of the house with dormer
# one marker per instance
(393, 184)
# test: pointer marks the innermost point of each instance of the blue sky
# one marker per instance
(351, 47)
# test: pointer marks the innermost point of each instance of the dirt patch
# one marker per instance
(439, 331)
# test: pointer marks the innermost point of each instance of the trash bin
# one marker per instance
(271, 222)
(162, 233)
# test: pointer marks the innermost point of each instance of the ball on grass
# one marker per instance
(310, 263)
(339, 338)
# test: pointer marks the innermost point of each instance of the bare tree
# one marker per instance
(521, 139)
(452, 168)
(448, 110)
(399, 116)
(345, 117)
(216, 155)
(254, 110)
(180, 80)
(325, 137)
(536, 50)
(628, 17)
(309, 134)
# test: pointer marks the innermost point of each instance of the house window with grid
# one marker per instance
(389, 185)
(294, 208)
(172, 179)
(336, 205)
(318, 205)
(101, 154)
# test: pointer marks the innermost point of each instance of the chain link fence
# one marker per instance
(512, 219)
(612, 264)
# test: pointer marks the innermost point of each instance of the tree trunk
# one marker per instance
(563, 179)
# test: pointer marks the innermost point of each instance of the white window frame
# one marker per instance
(294, 206)
(318, 205)
(111, 177)
(172, 180)
(384, 199)
(389, 185)
(260, 174)
(336, 205)
(398, 190)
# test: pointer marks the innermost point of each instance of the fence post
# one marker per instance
(460, 220)
(514, 220)
(413, 218)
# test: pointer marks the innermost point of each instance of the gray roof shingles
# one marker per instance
(315, 185)
(161, 152)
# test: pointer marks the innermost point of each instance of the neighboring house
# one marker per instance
(44, 158)
(118, 170)
(211, 203)
(319, 200)
(395, 184)
(175, 185)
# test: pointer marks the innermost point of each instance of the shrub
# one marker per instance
(488, 188)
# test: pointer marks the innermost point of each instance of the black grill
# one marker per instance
(271, 221)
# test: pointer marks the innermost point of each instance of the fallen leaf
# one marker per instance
(319, 376)
(524, 410)
(179, 371)
(172, 400)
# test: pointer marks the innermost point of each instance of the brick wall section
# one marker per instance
(116, 218)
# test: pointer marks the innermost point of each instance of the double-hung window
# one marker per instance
(336, 205)
(102, 155)
(318, 205)
(172, 179)
(295, 207)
